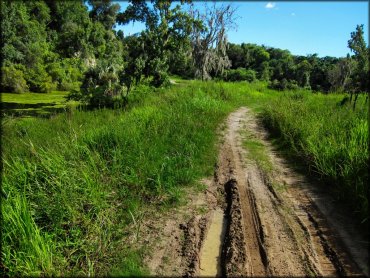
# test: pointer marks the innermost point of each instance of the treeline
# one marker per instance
(286, 71)
(64, 45)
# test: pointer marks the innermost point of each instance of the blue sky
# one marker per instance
(301, 27)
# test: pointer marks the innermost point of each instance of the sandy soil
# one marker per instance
(254, 223)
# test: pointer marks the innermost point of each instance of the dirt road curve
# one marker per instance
(263, 223)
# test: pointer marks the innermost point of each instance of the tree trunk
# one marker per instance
(354, 103)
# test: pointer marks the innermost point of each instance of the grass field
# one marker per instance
(57, 97)
(73, 184)
(34, 104)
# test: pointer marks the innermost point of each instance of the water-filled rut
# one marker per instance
(210, 257)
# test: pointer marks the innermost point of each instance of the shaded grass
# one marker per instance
(330, 138)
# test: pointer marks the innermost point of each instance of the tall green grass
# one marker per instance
(333, 140)
(77, 183)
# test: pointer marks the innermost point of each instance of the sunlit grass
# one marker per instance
(57, 97)
(331, 138)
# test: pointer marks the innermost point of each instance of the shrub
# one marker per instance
(12, 80)
(69, 86)
(240, 74)
(100, 88)
(67, 74)
(57, 72)
(39, 80)
(283, 84)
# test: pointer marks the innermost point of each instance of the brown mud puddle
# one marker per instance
(210, 257)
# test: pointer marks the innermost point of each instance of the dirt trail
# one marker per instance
(259, 223)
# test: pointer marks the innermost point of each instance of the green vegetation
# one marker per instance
(330, 137)
(49, 45)
(239, 74)
(76, 181)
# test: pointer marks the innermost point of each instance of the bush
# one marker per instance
(69, 86)
(12, 80)
(283, 85)
(239, 74)
(57, 72)
(67, 74)
(100, 88)
(39, 80)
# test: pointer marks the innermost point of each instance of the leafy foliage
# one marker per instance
(239, 74)
(357, 44)
(100, 86)
(167, 29)
(49, 45)
(12, 80)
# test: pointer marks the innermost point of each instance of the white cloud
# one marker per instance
(270, 5)
(292, 14)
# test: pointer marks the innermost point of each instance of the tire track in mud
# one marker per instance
(266, 232)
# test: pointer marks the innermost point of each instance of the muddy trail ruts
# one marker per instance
(267, 224)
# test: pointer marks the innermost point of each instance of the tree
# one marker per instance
(209, 39)
(321, 67)
(303, 74)
(281, 63)
(357, 45)
(166, 30)
(340, 75)
(264, 71)
(236, 55)
(360, 76)
(180, 61)
(25, 45)
(104, 12)
(136, 60)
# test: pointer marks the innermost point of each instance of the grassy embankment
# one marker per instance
(74, 184)
(331, 139)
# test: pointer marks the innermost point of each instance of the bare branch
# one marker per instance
(210, 39)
